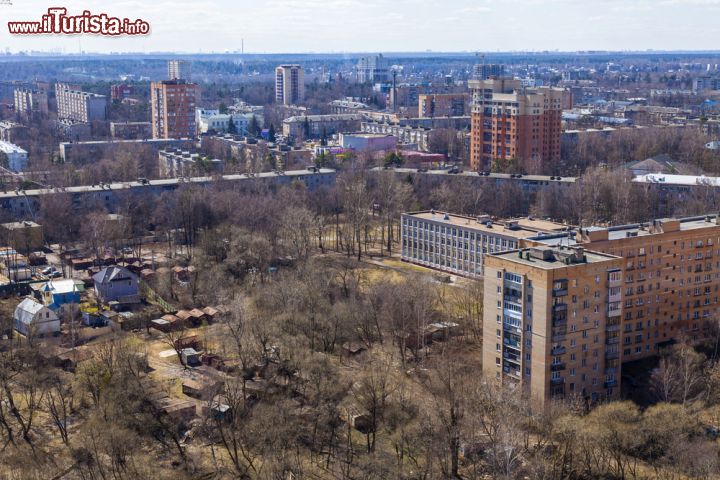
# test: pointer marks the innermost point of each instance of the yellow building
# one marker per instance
(25, 237)
(551, 322)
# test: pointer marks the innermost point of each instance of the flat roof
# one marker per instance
(531, 178)
(661, 178)
(589, 257)
(526, 227)
(160, 182)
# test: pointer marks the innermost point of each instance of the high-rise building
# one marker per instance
(120, 91)
(289, 84)
(372, 69)
(443, 105)
(179, 70)
(75, 105)
(551, 322)
(511, 123)
(485, 71)
(173, 109)
(670, 278)
(31, 101)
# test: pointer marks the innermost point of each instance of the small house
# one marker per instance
(35, 319)
(116, 284)
(190, 356)
(57, 293)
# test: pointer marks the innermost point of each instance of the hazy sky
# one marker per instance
(386, 25)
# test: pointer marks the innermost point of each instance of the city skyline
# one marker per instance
(378, 25)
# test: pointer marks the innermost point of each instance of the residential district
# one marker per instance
(386, 266)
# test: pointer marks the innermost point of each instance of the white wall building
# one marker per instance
(35, 319)
(220, 122)
(17, 157)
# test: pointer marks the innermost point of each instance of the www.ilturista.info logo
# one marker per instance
(57, 21)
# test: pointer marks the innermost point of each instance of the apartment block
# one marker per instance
(314, 126)
(120, 91)
(551, 322)
(173, 109)
(30, 101)
(289, 84)
(458, 244)
(516, 124)
(130, 130)
(484, 71)
(179, 70)
(78, 106)
(671, 270)
(443, 105)
(372, 69)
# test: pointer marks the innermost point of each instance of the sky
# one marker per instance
(298, 26)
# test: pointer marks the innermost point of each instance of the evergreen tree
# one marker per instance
(254, 127)
(306, 127)
(323, 138)
(231, 126)
(271, 133)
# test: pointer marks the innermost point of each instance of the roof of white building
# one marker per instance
(8, 148)
(26, 310)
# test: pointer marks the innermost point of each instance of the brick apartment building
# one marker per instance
(551, 322)
(671, 270)
(443, 105)
(514, 123)
(173, 109)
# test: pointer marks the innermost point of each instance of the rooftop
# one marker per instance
(549, 258)
(8, 147)
(516, 228)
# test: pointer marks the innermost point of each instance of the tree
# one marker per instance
(232, 128)
(254, 126)
(271, 133)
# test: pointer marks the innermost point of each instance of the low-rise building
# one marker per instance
(315, 126)
(17, 158)
(131, 130)
(116, 284)
(12, 132)
(74, 131)
(458, 244)
(25, 236)
(173, 163)
(33, 319)
(94, 150)
(368, 142)
(213, 120)
(404, 134)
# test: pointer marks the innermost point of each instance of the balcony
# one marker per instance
(559, 322)
(610, 383)
(560, 292)
(511, 329)
(612, 328)
(612, 340)
(511, 357)
(557, 351)
(557, 381)
(511, 343)
(560, 337)
(556, 367)
(612, 355)
(559, 307)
